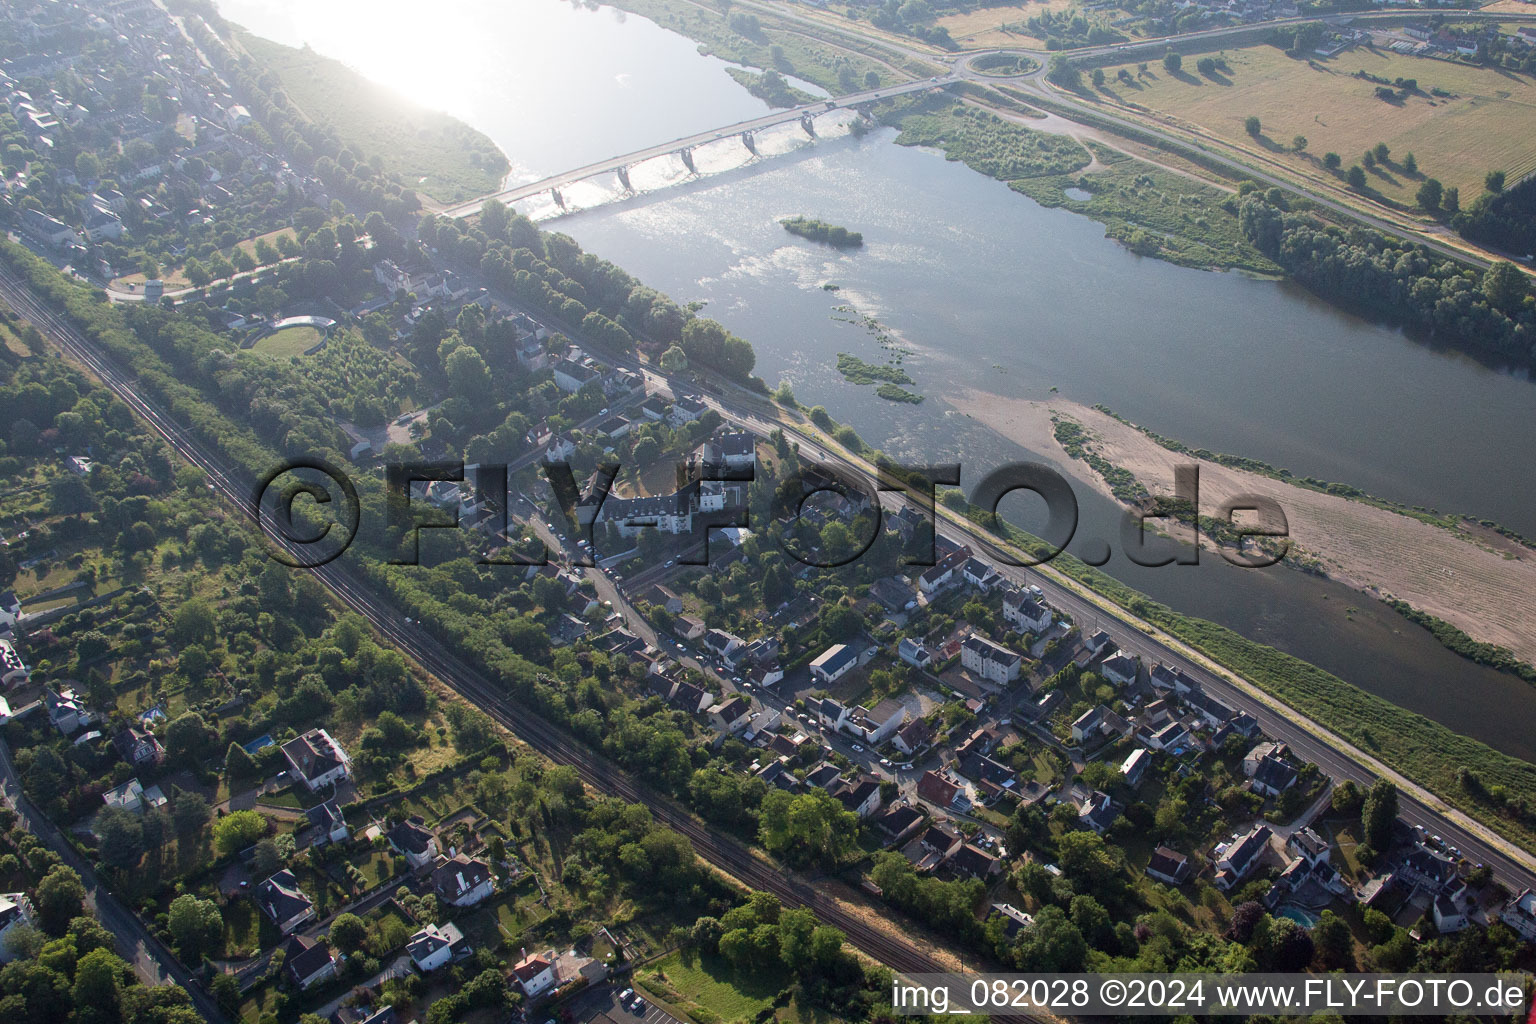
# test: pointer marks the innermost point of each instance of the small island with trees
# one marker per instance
(821, 231)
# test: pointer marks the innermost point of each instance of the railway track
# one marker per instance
(719, 850)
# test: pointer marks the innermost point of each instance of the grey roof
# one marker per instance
(280, 897)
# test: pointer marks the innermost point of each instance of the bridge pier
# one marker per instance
(749, 142)
(809, 124)
(623, 173)
(554, 194)
(687, 155)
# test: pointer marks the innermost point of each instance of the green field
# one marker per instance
(433, 153)
(288, 342)
(1483, 123)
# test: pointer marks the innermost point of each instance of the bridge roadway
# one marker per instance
(777, 117)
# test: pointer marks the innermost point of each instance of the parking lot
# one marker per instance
(602, 1006)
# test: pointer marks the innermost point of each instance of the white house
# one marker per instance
(317, 759)
(10, 611)
(412, 840)
(280, 898)
(15, 911)
(1120, 669)
(534, 974)
(980, 575)
(128, 797)
(1236, 859)
(989, 660)
(433, 946)
(1450, 911)
(914, 653)
(1135, 765)
(834, 663)
(13, 671)
(462, 881)
(877, 724)
(1520, 915)
(308, 961)
(1025, 612)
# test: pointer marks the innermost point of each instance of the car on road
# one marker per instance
(885, 762)
(638, 1006)
(625, 996)
(858, 749)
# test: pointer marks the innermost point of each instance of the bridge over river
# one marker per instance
(805, 114)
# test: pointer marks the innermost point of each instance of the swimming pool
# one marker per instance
(1300, 915)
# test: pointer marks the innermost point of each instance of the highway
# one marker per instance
(777, 117)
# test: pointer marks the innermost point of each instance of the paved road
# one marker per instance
(153, 963)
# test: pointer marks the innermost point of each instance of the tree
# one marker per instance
(196, 926)
(1251, 125)
(674, 359)
(1335, 946)
(98, 984)
(1504, 285)
(59, 899)
(1356, 177)
(1368, 158)
(196, 273)
(1379, 814)
(1429, 195)
(348, 932)
(1172, 62)
(468, 374)
(1410, 164)
(121, 838)
(193, 622)
(1299, 144)
(237, 830)
(1381, 152)
(186, 738)
(189, 813)
(1494, 182)
(807, 828)
(239, 765)
(1332, 161)
(1206, 66)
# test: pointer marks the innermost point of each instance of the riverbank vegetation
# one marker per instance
(983, 141)
(443, 157)
(821, 231)
(836, 61)
(770, 87)
(889, 378)
(1490, 313)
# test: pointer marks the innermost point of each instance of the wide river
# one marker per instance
(988, 291)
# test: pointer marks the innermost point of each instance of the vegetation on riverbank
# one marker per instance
(983, 141)
(1154, 212)
(857, 371)
(836, 61)
(821, 231)
(439, 155)
(1455, 639)
(770, 87)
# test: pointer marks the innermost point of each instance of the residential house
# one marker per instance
(980, 575)
(895, 593)
(1097, 811)
(861, 795)
(308, 961)
(1014, 919)
(914, 653)
(766, 675)
(316, 759)
(1449, 911)
(1135, 766)
(280, 898)
(1099, 642)
(972, 862)
(937, 790)
(329, 823)
(363, 1014)
(877, 724)
(1168, 866)
(13, 671)
(728, 451)
(691, 698)
(412, 840)
(1025, 612)
(1212, 711)
(730, 716)
(1520, 914)
(1120, 669)
(10, 611)
(15, 912)
(573, 376)
(663, 597)
(914, 736)
(434, 946)
(461, 880)
(990, 661)
(1234, 860)
(834, 663)
(127, 797)
(1089, 725)
(138, 747)
(939, 575)
(1170, 737)
(1308, 845)
(560, 448)
(1260, 751)
(824, 776)
(654, 408)
(535, 974)
(689, 627)
(1165, 679)
(1273, 776)
(723, 643)
(686, 410)
(1427, 869)
(898, 822)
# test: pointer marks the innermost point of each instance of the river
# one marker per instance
(990, 291)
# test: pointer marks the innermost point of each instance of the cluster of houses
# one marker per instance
(13, 670)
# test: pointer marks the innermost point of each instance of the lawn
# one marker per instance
(707, 988)
(1482, 125)
(999, 26)
(288, 342)
(441, 156)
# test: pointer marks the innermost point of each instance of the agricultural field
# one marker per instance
(433, 153)
(1459, 123)
(999, 26)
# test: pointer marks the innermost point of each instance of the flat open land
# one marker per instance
(433, 153)
(290, 341)
(1487, 123)
(1486, 586)
(990, 26)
